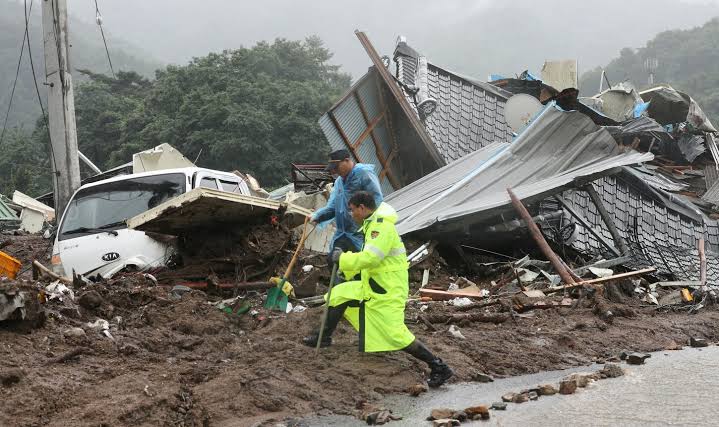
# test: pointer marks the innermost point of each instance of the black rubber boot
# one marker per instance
(440, 371)
(334, 315)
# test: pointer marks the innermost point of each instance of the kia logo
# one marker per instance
(110, 256)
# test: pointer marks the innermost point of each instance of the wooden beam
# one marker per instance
(438, 295)
(377, 147)
(343, 135)
(608, 221)
(407, 109)
(602, 280)
(557, 262)
(369, 131)
(702, 264)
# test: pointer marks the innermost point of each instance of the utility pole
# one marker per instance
(61, 103)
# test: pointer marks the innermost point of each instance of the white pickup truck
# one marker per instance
(92, 237)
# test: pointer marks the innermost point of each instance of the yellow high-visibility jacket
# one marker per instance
(377, 300)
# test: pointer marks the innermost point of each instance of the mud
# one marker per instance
(177, 360)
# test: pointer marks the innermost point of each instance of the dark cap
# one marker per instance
(336, 157)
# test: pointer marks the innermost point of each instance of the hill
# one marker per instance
(86, 52)
(686, 59)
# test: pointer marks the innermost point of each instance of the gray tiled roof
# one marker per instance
(469, 114)
(657, 232)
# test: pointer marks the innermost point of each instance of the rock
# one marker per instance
(459, 416)
(533, 395)
(509, 397)
(582, 379)
(482, 378)
(698, 342)
(672, 345)
(637, 358)
(567, 387)
(445, 422)
(475, 410)
(90, 300)
(611, 370)
(74, 332)
(520, 398)
(499, 406)
(480, 412)
(11, 376)
(440, 413)
(547, 390)
(417, 389)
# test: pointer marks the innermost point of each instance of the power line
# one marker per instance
(37, 91)
(98, 19)
(14, 84)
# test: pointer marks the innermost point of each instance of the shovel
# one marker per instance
(276, 297)
(327, 308)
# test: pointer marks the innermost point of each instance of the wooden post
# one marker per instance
(702, 264)
(557, 263)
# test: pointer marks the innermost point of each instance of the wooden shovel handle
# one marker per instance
(297, 251)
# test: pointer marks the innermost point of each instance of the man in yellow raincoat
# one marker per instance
(374, 304)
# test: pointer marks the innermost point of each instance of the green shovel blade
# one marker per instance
(276, 300)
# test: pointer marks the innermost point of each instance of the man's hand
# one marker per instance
(336, 254)
(312, 220)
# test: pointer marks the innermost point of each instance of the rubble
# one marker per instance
(614, 234)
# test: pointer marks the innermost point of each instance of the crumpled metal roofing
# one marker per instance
(554, 150)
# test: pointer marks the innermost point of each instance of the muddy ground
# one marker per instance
(173, 359)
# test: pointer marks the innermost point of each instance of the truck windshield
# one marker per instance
(106, 206)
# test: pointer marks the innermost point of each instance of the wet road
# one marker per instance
(672, 388)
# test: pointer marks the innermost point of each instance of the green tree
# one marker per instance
(253, 109)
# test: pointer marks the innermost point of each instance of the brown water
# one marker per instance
(672, 388)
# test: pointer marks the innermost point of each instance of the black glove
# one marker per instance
(336, 254)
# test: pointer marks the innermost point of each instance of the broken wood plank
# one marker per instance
(602, 280)
(438, 295)
(539, 239)
(39, 268)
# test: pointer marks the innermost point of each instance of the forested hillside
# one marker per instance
(688, 60)
(253, 109)
(87, 52)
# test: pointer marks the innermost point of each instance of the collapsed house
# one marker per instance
(623, 174)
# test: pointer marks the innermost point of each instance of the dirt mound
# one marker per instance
(127, 352)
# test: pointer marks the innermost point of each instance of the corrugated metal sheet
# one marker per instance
(351, 120)
(712, 194)
(713, 149)
(7, 214)
(557, 148)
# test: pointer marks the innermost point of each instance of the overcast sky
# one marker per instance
(473, 37)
